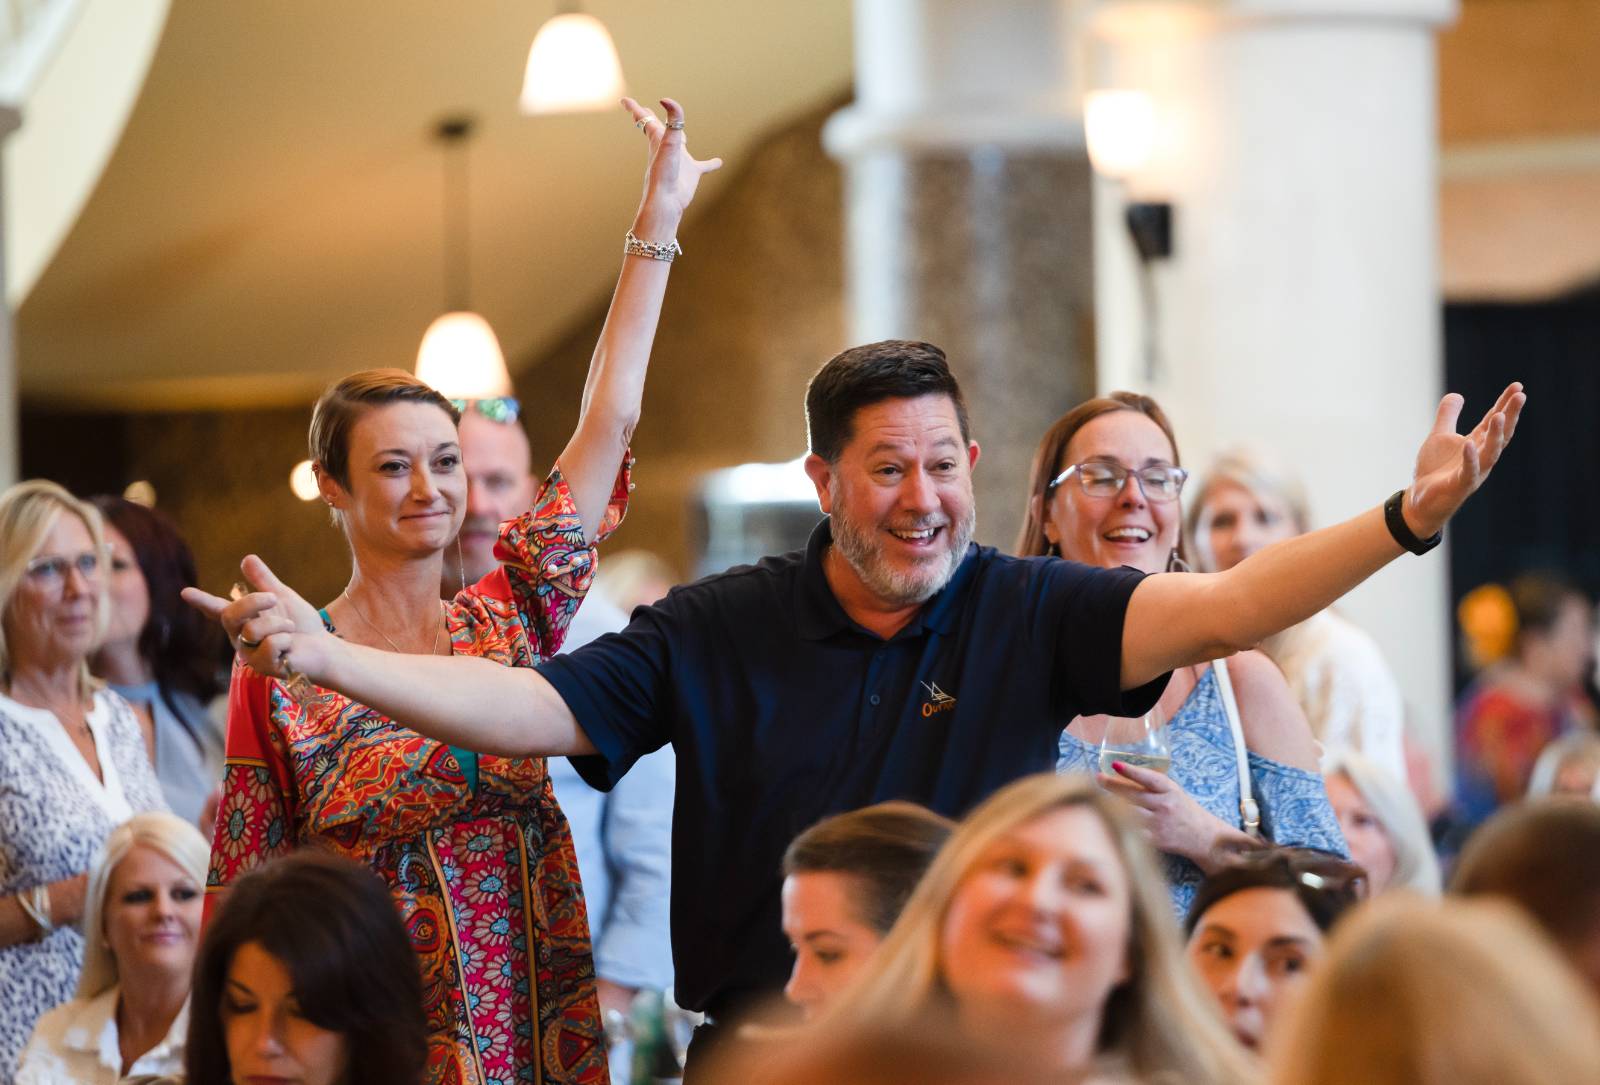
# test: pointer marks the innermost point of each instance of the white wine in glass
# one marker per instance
(1136, 740)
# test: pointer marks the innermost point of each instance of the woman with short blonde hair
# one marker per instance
(75, 763)
(1414, 992)
(142, 917)
(1335, 669)
(1383, 824)
(1144, 1014)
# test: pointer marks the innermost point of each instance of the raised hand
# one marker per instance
(1451, 466)
(673, 174)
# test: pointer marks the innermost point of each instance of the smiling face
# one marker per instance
(267, 1037)
(831, 944)
(900, 499)
(1038, 929)
(1125, 529)
(51, 619)
(1254, 950)
(407, 488)
(1369, 842)
(151, 915)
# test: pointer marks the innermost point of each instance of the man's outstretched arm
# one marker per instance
(1175, 619)
(460, 700)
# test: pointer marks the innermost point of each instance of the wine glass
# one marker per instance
(1136, 740)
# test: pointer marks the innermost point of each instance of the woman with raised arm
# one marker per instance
(473, 848)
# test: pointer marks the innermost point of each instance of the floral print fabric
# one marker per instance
(478, 856)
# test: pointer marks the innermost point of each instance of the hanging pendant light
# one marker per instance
(572, 67)
(460, 354)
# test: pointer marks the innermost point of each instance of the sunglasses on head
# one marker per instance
(503, 409)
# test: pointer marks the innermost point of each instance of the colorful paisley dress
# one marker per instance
(474, 848)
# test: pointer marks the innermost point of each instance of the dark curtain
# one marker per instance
(1541, 508)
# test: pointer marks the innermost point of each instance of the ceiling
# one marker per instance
(271, 218)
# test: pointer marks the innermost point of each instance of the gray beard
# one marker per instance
(862, 550)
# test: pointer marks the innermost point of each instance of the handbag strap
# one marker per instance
(1249, 812)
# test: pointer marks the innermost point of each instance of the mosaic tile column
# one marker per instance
(968, 217)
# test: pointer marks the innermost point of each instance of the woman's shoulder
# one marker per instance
(74, 1025)
(1273, 722)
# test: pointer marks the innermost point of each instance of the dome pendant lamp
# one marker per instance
(572, 66)
(460, 355)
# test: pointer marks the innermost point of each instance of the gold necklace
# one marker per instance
(433, 649)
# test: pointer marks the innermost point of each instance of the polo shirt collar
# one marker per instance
(819, 614)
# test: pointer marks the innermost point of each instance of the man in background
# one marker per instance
(623, 837)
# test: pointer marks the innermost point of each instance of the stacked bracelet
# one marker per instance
(655, 250)
(35, 904)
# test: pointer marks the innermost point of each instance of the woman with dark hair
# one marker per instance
(1256, 930)
(1522, 703)
(1105, 491)
(845, 880)
(474, 849)
(164, 658)
(306, 974)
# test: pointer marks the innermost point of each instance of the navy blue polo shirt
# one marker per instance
(784, 711)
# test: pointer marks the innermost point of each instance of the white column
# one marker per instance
(10, 440)
(1300, 310)
(967, 214)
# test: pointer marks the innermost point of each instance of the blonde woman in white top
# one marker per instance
(1334, 668)
(142, 923)
(74, 763)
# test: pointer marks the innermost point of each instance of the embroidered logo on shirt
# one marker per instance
(938, 700)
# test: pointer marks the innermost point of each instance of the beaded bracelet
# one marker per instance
(655, 250)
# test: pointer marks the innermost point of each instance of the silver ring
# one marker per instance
(676, 126)
(640, 124)
(251, 644)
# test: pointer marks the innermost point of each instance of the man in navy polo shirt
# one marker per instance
(891, 659)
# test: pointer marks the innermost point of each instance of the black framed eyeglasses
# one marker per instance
(1102, 478)
(502, 409)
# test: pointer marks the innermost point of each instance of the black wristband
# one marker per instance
(1401, 530)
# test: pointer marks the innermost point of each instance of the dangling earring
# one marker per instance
(1176, 564)
(461, 565)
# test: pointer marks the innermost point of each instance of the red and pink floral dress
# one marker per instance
(475, 849)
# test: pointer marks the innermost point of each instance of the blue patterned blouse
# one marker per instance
(1294, 802)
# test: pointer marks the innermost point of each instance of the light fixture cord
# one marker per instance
(457, 226)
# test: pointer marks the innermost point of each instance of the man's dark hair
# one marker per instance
(334, 928)
(862, 376)
(885, 848)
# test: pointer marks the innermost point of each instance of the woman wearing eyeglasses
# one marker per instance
(1104, 491)
(475, 851)
(74, 764)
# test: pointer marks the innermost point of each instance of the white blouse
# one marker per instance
(76, 1044)
(1338, 674)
